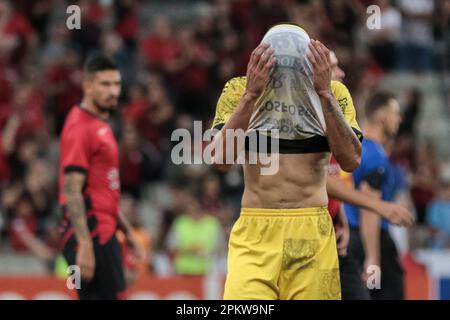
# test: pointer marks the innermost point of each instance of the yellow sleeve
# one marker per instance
(345, 101)
(228, 101)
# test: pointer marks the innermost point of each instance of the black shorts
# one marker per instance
(352, 285)
(392, 273)
(109, 280)
(392, 281)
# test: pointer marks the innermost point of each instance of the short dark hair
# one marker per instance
(98, 62)
(377, 101)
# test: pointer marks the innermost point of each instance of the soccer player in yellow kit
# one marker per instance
(283, 245)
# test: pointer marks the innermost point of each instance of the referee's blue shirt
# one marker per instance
(375, 170)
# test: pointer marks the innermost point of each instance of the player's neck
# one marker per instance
(90, 107)
(375, 133)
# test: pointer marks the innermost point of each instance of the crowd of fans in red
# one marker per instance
(172, 72)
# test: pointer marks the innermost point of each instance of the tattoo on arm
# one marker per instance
(347, 135)
(73, 186)
(341, 138)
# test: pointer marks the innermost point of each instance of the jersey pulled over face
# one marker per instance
(289, 104)
(289, 109)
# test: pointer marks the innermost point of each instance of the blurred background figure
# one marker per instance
(417, 35)
(195, 240)
(135, 269)
(384, 42)
(438, 214)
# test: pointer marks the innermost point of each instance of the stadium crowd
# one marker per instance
(173, 72)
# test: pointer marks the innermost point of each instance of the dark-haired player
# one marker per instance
(90, 187)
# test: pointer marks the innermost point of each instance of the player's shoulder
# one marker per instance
(373, 152)
(76, 122)
(339, 89)
(228, 100)
(235, 86)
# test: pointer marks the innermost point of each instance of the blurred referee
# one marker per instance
(370, 241)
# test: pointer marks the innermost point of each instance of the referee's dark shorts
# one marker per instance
(352, 285)
(392, 281)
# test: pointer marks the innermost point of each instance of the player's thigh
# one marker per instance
(311, 269)
(253, 261)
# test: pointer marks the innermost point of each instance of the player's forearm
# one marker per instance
(227, 141)
(370, 234)
(336, 188)
(9, 134)
(342, 218)
(76, 211)
(36, 246)
(343, 142)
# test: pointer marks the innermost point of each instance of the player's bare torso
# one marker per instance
(300, 182)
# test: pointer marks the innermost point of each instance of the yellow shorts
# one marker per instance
(283, 254)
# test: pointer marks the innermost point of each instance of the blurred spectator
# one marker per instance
(177, 196)
(135, 269)
(438, 214)
(423, 185)
(30, 202)
(206, 30)
(263, 15)
(23, 229)
(410, 112)
(383, 42)
(28, 105)
(230, 61)
(195, 240)
(417, 35)
(155, 123)
(56, 47)
(112, 45)
(210, 197)
(159, 48)
(38, 13)
(38, 187)
(441, 27)
(139, 162)
(189, 73)
(17, 37)
(441, 19)
(7, 140)
(405, 144)
(87, 38)
(6, 83)
(26, 153)
(64, 77)
(127, 21)
(344, 16)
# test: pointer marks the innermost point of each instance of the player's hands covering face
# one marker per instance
(319, 56)
(258, 69)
